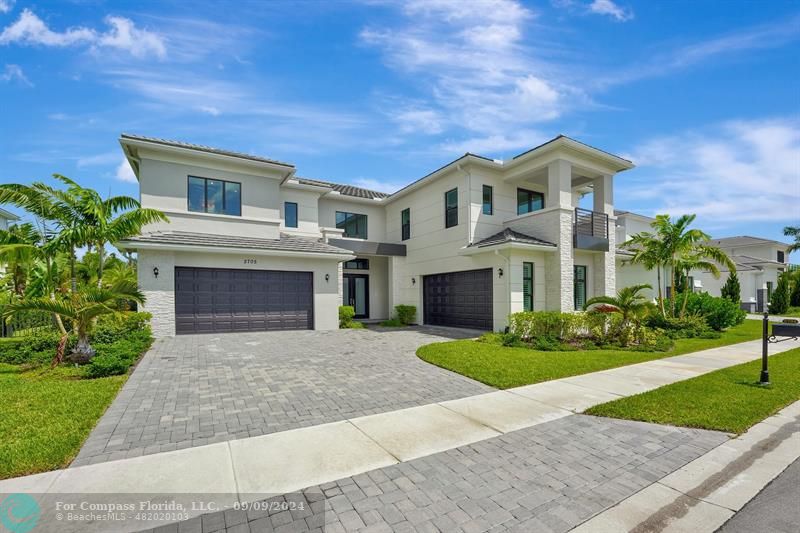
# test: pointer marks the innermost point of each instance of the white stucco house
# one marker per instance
(7, 218)
(253, 246)
(758, 262)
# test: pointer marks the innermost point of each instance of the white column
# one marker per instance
(605, 264)
(559, 274)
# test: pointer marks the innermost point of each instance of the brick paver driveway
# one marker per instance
(197, 389)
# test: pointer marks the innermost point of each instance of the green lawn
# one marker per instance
(504, 367)
(45, 415)
(726, 400)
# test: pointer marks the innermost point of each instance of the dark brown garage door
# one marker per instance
(211, 300)
(459, 299)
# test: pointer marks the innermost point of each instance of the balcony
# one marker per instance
(590, 230)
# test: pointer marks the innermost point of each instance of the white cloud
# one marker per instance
(6, 6)
(58, 116)
(98, 159)
(29, 29)
(125, 172)
(376, 185)
(744, 170)
(474, 67)
(15, 73)
(210, 110)
(607, 7)
(124, 35)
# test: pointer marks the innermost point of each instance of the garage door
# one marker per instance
(211, 300)
(459, 299)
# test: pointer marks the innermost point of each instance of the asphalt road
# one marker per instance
(776, 509)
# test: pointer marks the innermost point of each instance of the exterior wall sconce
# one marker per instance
(413, 281)
(155, 271)
(500, 272)
(327, 278)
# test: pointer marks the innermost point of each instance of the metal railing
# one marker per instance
(26, 323)
(587, 222)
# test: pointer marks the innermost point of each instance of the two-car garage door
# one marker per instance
(459, 299)
(218, 300)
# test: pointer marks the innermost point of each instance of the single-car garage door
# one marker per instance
(459, 299)
(211, 300)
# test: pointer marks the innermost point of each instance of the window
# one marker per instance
(527, 286)
(353, 224)
(529, 201)
(219, 197)
(451, 208)
(769, 290)
(357, 264)
(488, 200)
(580, 286)
(290, 214)
(781, 256)
(405, 224)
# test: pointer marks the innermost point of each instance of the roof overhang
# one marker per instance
(137, 245)
(132, 147)
(8, 215)
(491, 248)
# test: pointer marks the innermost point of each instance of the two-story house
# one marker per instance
(758, 262)
(252, 246)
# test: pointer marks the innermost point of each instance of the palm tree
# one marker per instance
(103, 222)
(702, 257)
(649, 251)
(82, 309)
(792, 231)
(628, 302)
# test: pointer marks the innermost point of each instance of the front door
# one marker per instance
(356, 293)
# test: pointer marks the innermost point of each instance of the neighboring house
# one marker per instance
(6, 218)
(252, 246)
(758, 262)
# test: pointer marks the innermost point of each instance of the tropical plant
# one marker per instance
(82, 309)
(779, 301)
(19, 251)
(677, 248)
(732, 290)
(794, 296)
(793, 231)
(631, 305)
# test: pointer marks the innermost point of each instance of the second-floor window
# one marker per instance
(405, 224)
(781, 256)
(451, 208)
(488, 200)
(290, 214)
(529, 201)
(219, 197)
(353, 224)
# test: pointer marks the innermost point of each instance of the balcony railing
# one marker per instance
(590, 230)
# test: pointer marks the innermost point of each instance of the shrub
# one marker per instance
(551, 324)
(346, 314)
(117, 357)
(732, 290)
(105, 365)
(719, 313)
(779, 301)
(34, 350)
(405, 314)
(111, 328)
(679, 328)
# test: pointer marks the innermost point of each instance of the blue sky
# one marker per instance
(703, 96)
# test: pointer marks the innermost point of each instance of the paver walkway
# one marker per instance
(544, 479)
(194, 390)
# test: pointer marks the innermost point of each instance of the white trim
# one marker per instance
(220, 216)
(472, 250)
(134, 245)
(8, 215)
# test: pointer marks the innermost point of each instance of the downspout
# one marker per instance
(507, 275)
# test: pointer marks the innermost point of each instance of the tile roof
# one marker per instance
(286, 243)
(347, 190)
(743, 240)
(509, 235)
(203, 148)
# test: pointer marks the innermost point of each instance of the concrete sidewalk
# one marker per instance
(259, 467)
